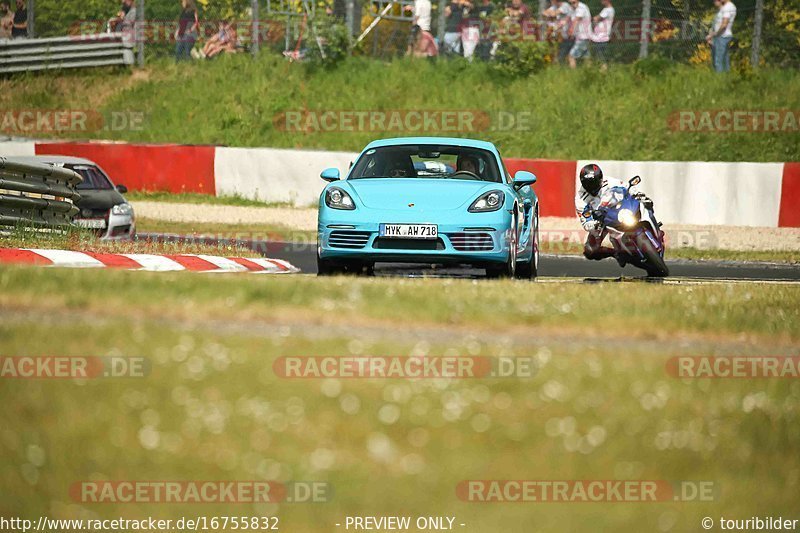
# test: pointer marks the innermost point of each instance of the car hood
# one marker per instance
(397, 193)
(96, 199)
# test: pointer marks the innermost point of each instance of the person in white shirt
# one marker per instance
(581, 29)
(602, 32)
(559, 15)
(721, 35)
(422, 14)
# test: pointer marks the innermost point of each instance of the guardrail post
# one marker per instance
(645, 35)
(255, 30)
(31, 19)
(440, 28)
(140, 33)
(758, 21)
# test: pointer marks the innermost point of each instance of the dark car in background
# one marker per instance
(103, 208)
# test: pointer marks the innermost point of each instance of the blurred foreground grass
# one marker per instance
(600, 406)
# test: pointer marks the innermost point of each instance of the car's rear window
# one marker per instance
(92, 178)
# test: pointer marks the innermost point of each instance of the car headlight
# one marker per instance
(626, 217)
(336, 198)
(122, 210)
(490, 201)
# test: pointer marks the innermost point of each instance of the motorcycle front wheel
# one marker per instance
(653, 262)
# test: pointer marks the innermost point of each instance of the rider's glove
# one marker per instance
(642, 197)
(592, 225)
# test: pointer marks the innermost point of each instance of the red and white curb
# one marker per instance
(148, 262)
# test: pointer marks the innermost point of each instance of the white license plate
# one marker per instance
(409, 231)
(91, 223)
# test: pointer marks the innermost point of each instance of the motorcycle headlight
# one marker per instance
(490, 201)
(122, 210)
(626, 217)
(336, 198)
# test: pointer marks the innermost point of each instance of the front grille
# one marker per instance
(120, 230)
(384, 243)
(93, 213)
(348, 239)
(471, 242)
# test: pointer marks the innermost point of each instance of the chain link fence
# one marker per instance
(765, 33)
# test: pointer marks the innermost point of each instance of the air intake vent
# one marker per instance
(471, 242)
(348, 239)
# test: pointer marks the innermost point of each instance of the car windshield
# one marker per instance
(92, 178)
(427, 161)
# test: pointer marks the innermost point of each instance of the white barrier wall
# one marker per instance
(273, 175)
(733, 194)
(17, 149)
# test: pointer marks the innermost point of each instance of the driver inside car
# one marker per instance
(467, 163)
(400, 166)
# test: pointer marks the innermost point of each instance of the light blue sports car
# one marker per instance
(429, 200)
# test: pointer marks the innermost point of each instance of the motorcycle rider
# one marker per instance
(593, 186)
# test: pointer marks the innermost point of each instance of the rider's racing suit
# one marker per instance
(593, 248)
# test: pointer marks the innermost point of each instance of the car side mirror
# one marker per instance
(523, 178)
(122, 189)
(636, 180)
(330, 174)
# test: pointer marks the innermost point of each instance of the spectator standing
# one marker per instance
(517, 11)
(19, 27)
(560, 15)
(124, 19)
(721, 36)
(453, 17)
(601, 33)
(581, 30)
(483, 13)
(422, 14)
(470, 29)
(186, 34)
(6, 20)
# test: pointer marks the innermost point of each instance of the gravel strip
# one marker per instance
(553, 229)
(295, 218)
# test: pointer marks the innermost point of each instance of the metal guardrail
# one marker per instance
(104, 49)
(34, 194)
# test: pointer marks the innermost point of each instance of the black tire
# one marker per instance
(362, 268)
(327, 267)
(530, 269)
(654, 264)
(509, 268)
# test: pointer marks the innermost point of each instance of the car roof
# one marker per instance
(52, 160)
(455, 141)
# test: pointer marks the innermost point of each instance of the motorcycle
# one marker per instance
(633, 229)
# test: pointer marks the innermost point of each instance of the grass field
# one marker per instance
(236, 101)
(601, 405)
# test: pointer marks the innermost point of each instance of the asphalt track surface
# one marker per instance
(551, 267)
